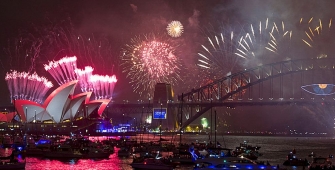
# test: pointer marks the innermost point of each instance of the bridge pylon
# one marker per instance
(163, 96)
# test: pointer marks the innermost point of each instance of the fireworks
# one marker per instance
(23, 85)
(218, 58)
(102, 86)
(279, 40)
(318, 36)
(50, 41)
(149, 61)
(84, 78)
(252, 44)
(260, 42)
(175, 29)
(63, 70)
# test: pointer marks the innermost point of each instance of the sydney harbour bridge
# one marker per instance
(292, 82)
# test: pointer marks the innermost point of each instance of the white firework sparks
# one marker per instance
(175, 29)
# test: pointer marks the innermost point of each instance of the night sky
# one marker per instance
(121, 20)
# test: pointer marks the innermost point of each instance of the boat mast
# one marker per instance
(181, 118)
(215, 128)
(211, 119)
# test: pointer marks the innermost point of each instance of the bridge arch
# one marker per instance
(242, 84)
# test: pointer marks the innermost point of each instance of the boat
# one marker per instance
(229, 163)
(12, 165)
(44, 143)
(292, 160)
(182, 157)
(94, 153)
(7, 142)
(31, 148)
(152, 164)
(123, 152)
(35, 152)
(217, 152)
(108, 148)
(248, 151)
(312, 155)
(18, 143)
(63, 152)
(321, 163)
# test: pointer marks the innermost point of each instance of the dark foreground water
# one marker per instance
(274, 149)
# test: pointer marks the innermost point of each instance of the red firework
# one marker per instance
(149, 60)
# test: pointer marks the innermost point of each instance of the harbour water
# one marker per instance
(274, 149)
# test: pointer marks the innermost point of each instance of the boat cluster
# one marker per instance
(59, 148)
(166, 156)
(207, 156)
(69, 148)
(318, 162)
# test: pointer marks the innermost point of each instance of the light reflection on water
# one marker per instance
(275, 150)
(113, 163)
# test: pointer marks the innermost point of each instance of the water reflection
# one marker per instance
(113, 162)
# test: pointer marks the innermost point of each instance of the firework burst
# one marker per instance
(103, 86)
(217, 56)
(84, 78)
(253, 44)
(280, 40)
(318, 36)
(149, 60)
(63, 70)
(175, 29)
(54, 40)
(23, 85)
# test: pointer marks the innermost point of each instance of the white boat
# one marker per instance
(229, 163)
(151, 164)
(63, 152)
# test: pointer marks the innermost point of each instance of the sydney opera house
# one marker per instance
(80, 93)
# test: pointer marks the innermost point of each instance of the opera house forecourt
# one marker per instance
(80, 93)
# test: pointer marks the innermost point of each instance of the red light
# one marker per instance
(144, 162)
